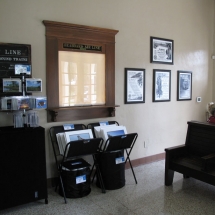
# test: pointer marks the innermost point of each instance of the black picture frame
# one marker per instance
(161, 50)
(134, 85)
(184, 85)
(161, 85)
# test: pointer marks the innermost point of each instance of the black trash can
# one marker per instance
(76, 178)
(113, 173)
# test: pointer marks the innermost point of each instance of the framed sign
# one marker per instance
(134, 86)
(14, 59)
(161, 85)
(184, 86)
(161, 50)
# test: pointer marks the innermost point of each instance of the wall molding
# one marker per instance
(146, 160)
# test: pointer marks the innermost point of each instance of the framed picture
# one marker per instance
(33, 85)
(134, 86)
(161, 50)
(161, 85)
(184, 85)
(21, 69)
(12, 85)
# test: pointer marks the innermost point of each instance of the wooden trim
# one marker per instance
(77, 113)
(56, 34)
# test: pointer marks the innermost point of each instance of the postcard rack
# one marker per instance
(19, 104)
(113, 144)
(73, 152)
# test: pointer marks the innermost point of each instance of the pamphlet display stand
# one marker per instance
(92, 125)
(73, 171)
(111, 159)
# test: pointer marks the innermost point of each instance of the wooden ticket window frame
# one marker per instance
(57, 34)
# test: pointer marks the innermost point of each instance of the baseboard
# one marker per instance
(146, 160)
(51, 182)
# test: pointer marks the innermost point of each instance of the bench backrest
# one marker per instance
(200, 138)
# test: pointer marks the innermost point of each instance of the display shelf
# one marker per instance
(80, 112)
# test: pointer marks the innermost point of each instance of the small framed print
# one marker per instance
(22, 69)
(134, 86)
(33, 85)
(161, 50)
(12, 85)
(161, 85)
(184, 85)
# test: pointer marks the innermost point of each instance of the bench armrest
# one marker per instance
(176, 150)
(205, 160)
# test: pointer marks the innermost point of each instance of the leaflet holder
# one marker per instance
(59, 129)
(122, 142)
(74, 151)
(92, 125)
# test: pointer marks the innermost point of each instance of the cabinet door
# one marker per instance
(22, 166)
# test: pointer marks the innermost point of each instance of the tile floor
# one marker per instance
(149, 196)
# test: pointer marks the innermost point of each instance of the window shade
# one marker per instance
(81, 78)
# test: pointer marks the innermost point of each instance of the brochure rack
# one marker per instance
(73, 153)
(92, 125)
(115, 145)
(23, 102)
(123, 142)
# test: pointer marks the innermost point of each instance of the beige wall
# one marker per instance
(190, 23)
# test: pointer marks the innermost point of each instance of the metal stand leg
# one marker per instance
(98, 175)
(63, 189)
(130, 166)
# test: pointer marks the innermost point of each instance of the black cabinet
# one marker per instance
(22, 166)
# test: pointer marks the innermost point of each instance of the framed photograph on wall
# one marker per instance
(161, 85)
(161, 50)
(134, 86)
(33, 85)
(12, 85)
(184, 85)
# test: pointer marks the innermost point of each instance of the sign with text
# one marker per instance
(82, 47)
(12, 54)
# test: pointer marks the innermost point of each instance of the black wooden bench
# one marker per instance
(196, 158)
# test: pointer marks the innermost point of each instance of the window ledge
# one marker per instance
(60, 114)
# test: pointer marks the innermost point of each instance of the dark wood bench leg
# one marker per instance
(169, 174)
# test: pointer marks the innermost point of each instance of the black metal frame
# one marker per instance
(122, 142)
(75, 150)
